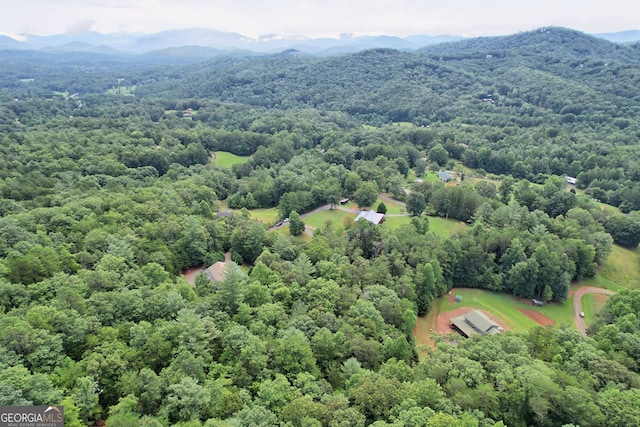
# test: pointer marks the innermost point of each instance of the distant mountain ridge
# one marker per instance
(222, 42)
(629, 36)
(183, 43)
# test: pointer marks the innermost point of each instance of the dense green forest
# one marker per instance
(108, 192)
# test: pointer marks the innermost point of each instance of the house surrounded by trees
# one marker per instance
(216, 271)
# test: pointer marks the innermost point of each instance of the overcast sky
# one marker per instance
(318, 17)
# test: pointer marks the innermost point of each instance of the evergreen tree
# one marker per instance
(296, 225)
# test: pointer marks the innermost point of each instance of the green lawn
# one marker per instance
(226, 160)
(445, 227)
(431, 176)
(505, 308)
(440, 226)
(319, 219)
(302, 237)
(591, 304)
(395, 222)
(392, 208)
(266, 216)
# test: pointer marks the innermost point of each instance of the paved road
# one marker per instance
(577, 304)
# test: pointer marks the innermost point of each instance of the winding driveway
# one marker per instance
(577, 304)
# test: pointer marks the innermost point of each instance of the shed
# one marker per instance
(458, 298)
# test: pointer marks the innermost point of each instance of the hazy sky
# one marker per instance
(318, 17)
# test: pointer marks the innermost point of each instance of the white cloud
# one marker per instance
(319, 17)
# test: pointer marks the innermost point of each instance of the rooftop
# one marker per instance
(371, 216)
(475, 322)
(216, 272)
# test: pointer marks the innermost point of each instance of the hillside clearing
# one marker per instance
(222, 159)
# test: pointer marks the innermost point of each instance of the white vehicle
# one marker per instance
(582, 314)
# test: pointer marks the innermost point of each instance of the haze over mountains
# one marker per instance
(208, 43)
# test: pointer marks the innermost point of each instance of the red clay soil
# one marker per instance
(190, 274)
(537, 317)
(444, 318)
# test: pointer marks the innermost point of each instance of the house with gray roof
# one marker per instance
(371, 216)
(475, 322)
(445, 176)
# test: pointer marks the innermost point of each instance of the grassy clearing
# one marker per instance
(440, 226)
(473, 180)
(431, 176)
(591, 304)
(121, 90)
(302, 237)
(395, 222)
(608, 208)
(266, 216)
(446, 227)
(505, 307)
(227, 160)
(622, 267)
(600, 282)
(392, 208)
(320, 219)
(589, 308)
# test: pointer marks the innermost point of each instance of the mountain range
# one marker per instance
(199, 42)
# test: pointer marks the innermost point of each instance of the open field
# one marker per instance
(440, 226)
(395, 222)
(601, 282)
(319, 219)
(504, 308)
(445, 227)
(226, 160)
(622, 267)
(266, 216)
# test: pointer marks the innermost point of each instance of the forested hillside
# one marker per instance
(110, 188)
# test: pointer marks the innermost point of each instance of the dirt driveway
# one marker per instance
(577, 304)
